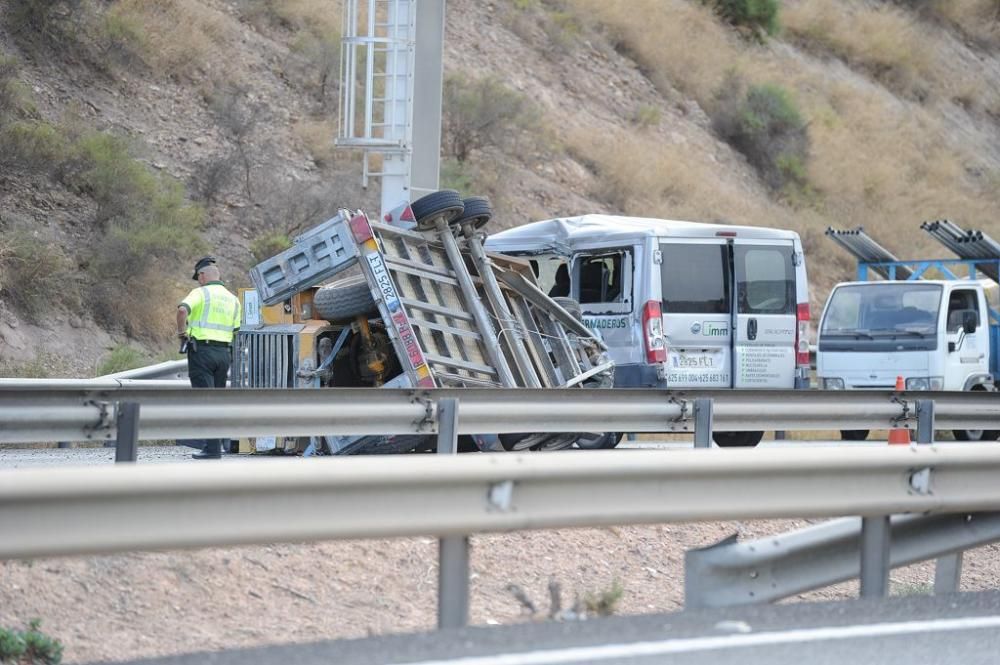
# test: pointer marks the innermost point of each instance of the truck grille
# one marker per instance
(265, 359)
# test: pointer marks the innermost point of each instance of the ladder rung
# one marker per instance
(458, 378)
(436, 309)
(422, 267)
(423, 274)
(460, 364)
(461, 332)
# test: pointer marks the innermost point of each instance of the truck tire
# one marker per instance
(390, 445)
(974, 434)
(853, 434)
(571, 305)
(737, 439)
(478, 212)
(605, 441)
(426, 209)
(344, 300)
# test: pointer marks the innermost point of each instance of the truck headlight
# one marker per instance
(918, 383)
(833, 384)
(936, 383)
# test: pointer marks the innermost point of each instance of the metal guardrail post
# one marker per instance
(453, 551)
(875, 536)
(925, 421)
(703, 422)
(948, 573)
(127, 445)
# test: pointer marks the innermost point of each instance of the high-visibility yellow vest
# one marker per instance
(213, 313)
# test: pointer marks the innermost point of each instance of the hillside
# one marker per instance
(135, 137)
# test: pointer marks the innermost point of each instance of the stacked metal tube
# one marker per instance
(865, 249)
(967, 245)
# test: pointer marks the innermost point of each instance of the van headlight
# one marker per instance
(833, 384)
(918, 383)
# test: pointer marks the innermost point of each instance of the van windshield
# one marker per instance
(883, 310)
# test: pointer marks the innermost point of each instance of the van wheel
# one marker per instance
(446, 203)
(853, 434)
(737, 439)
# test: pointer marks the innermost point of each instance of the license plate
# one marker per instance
(695, 361)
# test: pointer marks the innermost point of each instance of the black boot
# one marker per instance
(213, 450)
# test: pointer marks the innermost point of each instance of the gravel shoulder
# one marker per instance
(156, 604)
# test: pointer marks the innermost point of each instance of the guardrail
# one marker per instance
(88, 411)
(169, 370)
(52, 512)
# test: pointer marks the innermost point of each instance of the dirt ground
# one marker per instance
(153, 604)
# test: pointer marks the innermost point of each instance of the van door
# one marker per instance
(602, 284)
(764, 321)
(696, 288)
(971, 354)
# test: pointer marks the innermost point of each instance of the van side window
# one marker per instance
(695, 279)
(959, 302)
(601, 278)
(765, 280)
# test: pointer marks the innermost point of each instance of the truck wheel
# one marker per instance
(853, 434)
(737, 439)
(974, 434)
(968, 434)
(426, 209)
(344, 300)
(592, 441)
(478, 212)
(517, 442)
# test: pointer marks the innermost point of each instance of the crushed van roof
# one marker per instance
(613, 227)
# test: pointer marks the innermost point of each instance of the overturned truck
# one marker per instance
(424, 306)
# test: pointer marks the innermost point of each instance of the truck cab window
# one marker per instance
(960, 302)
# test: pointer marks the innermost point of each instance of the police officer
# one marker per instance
(206, 322)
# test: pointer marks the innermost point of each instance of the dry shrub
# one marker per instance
(35, 275)
(979, 19)
(320, 16)
(884, 40)
(678, 43)
(141, 302)
(317, 136)
(174, 37)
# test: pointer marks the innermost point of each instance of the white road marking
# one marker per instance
(695, 644)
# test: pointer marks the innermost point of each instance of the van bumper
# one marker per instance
(638, 376)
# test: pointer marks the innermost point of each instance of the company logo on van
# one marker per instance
(710, 329)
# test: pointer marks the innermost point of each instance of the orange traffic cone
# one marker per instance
(899, 434)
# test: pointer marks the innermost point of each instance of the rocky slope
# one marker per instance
(901, 106)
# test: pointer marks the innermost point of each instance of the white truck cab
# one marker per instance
(680, 304)
(936, 334)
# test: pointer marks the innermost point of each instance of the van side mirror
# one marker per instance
(970, 321)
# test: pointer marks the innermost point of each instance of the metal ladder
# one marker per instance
(377, 65)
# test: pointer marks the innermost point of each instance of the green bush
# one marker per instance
(35, 275)
(32, 146)
(29, 647)
(754, 14)
(646, 116)
(483, 113)
(15, 97)
(123, 357)
(765, 125)
(605, 602)
(268, 245)
(41, 18)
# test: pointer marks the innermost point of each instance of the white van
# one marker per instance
(667, 297)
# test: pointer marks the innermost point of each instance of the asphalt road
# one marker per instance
(961, 629)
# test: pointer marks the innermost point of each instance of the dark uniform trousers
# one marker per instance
(208, 367)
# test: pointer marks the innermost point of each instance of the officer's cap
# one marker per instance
(201, 265)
